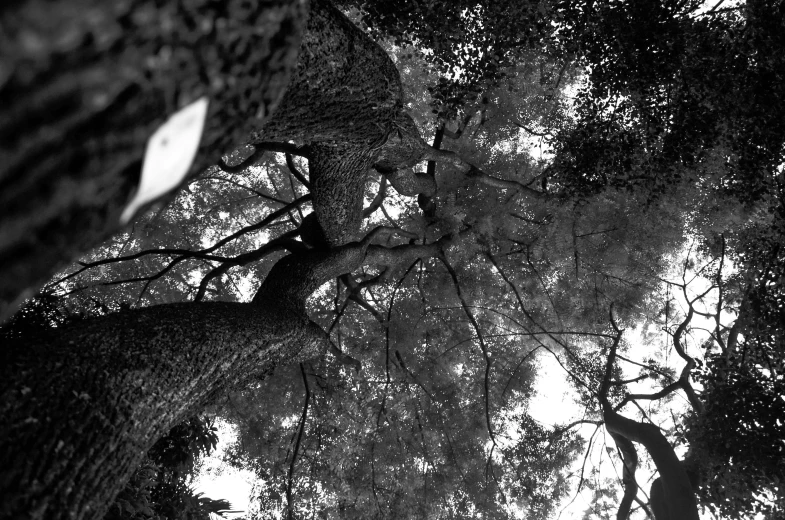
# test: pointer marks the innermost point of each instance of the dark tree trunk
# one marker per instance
(75, 116)
(678, 498)
(81, 406)
(83, 85)
(85, 404)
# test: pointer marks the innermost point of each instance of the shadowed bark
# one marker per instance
(83, 404)
(630, 460)
(84, 84)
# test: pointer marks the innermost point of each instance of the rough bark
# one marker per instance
(345, 87)
(337, 174)
(83, 405)
(83, 84)
(83, 108)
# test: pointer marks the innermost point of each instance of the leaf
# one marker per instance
(169, 154)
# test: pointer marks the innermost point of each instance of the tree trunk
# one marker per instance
(85, 404)
(678, 495)
(82, 405)
(83, 85)
(75, 114)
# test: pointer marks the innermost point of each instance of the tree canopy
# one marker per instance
(398, 214)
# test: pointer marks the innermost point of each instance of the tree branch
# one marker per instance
(300, 430)
(378, 199)
(294, 171)
(483, 347)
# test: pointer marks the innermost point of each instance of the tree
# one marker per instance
(83, 87)
(103, 397)
(489, 268)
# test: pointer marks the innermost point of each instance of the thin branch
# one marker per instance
(344, 358)
(278, 244)
(378, 200)
(301, 429)
(529, 130)
(483, 347)
(294, 171)
(258, 151)
(240, 185)
(187, 253)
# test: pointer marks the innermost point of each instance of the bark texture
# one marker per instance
(345, 87)
(338, 174)
(83, 405)
(87, 403)
(83, 84)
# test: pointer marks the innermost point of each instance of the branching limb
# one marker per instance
(247, 258)
(243, 186)
(187, 253)
(629, 458)
(344, 358)
(258, 151)
(558, 432)
(529, 130)
(679, 497)
(471, 171)
(378, 200)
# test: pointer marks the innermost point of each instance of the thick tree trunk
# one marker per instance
(81, 406)
(338, 174)
(678, 495)
(76, 113)
(630, 460)
(85, 404)
(83, 85)
(345, 87)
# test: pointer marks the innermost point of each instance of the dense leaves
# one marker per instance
(160, 489)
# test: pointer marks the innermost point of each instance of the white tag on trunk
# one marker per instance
(169, 154)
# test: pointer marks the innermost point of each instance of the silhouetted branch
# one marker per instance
(296, 172)
(377, 201)
(344, 358)
(240, 185)
(246, 258)
(187, 253)
(483, 347)
(300, 430)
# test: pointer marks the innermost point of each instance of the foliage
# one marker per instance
(159, 489)
(470, 43)
(673, 93)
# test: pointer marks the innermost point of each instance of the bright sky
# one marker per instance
(218, 481)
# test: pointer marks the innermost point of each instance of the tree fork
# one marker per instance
(83, 404)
